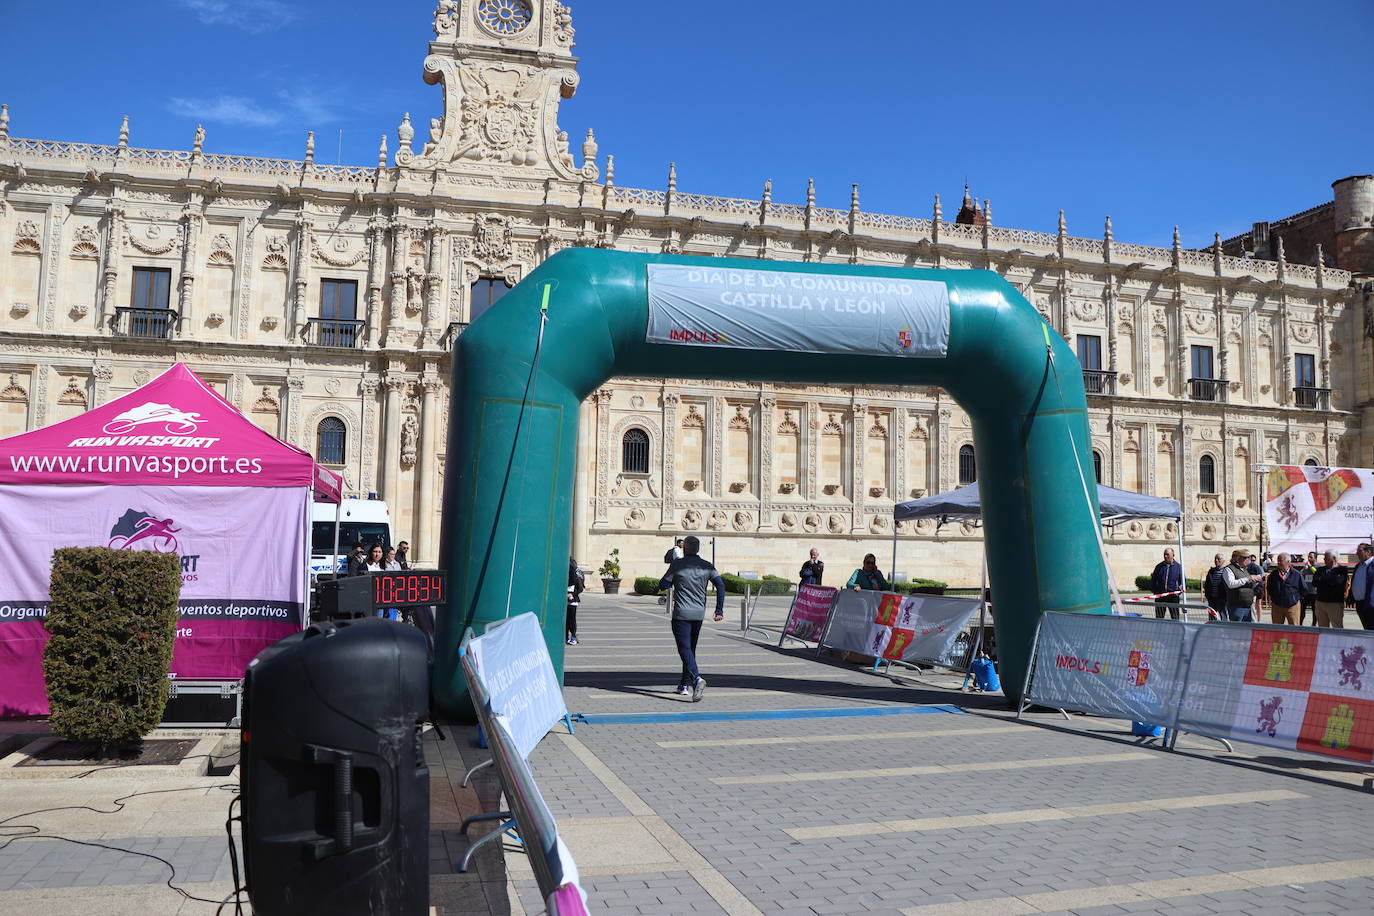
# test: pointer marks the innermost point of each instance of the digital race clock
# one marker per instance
(408, 588)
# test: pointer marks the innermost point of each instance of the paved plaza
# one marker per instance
(828, 791)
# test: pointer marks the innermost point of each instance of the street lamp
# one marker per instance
(1262, 484)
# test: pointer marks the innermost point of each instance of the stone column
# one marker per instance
(767, 488)
(715, 448)
(668, 453)
(102, 375)
(109, 267)
(428, 546)
(396, 305)
(367, 475)
(300, 270)
(388, 467)
(580, 470)
(376, 240)
(192, 221)
(857, 477)
(945, 476)
(603, 436)
(295, 385)
(433, 325)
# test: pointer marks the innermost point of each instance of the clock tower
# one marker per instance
(504, 66)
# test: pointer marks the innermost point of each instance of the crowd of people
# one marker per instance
(1290, 586)
(378, 558)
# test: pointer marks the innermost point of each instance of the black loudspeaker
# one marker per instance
(335, 791)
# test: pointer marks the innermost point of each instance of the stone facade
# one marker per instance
(256, 252)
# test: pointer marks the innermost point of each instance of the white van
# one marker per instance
(363, 522)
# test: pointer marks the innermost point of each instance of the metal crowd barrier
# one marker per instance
(529, 816)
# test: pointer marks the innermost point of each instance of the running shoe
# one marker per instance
(572, 640)
(682, 691)
(699, 690)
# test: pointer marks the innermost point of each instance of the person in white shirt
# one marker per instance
(376, 559)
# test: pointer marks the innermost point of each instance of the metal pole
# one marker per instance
(713, 551)
(892, 570)
(1183, 579)
(744, 611)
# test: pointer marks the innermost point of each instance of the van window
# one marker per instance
(351, 534)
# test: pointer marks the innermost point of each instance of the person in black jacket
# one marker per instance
(1214, 589)
(1167, 581)
(1328, 585)
(403, 554)
(577, 583)
(813, 569)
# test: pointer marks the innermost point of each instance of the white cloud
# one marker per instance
(227, 109)
(249, 15)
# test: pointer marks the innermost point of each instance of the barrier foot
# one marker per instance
(492, 816)
(485, 763)
(567, 720)
(495, 834)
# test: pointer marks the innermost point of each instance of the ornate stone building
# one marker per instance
(323, 300)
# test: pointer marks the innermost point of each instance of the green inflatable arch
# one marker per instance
(514, 426)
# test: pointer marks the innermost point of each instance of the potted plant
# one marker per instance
(610, 573)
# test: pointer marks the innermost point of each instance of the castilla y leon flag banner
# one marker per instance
(1307, 508)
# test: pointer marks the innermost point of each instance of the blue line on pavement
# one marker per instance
(829, 712)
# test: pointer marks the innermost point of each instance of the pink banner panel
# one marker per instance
(242, 551)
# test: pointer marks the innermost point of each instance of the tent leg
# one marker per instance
(892, 570)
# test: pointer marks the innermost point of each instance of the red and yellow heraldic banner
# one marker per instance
(1307, 508)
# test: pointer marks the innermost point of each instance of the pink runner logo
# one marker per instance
(176, 422)
(137, 530)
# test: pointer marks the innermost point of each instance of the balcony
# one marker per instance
(1312, 398)
(153, 324)
(334, 332)
(1207, 389)
(1099, 381)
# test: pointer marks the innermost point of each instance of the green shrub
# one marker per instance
(768, 585)
(646, 585)
(113, 619)
(925, 586)
(1143, 583)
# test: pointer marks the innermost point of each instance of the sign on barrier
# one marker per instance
(1298, 688)
(897, 627)
(517, 676)
(809, 612)
(1115, 666)
(1302, 689)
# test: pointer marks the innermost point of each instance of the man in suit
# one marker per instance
(1362, 585)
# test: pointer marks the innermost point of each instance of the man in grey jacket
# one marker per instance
(688, 576)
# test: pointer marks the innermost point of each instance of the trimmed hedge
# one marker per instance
(768, 585)
(924, 586)
(646, 585)
(1143, 583)
(113, 620)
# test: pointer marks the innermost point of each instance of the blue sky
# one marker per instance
(1208, 115)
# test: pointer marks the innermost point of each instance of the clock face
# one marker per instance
(505, 17)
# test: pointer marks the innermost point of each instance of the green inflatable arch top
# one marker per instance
(514, 426)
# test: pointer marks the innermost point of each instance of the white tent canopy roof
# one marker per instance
(1115, 505)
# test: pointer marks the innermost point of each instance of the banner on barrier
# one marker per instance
(1302, 504)
(1296, 688)
(810, 610)
(1116, 666)
(517, 676)
(897, 627)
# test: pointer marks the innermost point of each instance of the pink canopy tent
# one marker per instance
(172, 467)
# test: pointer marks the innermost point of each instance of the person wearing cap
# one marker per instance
(688, 576)
(1241, 588)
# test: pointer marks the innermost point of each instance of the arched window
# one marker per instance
(1097, 465)
(484, 294)
(968, 467)
(1206, 474)
(1311, 463)
(634, 452)
(331, 436)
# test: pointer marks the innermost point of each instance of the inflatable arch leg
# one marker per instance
(514, 426)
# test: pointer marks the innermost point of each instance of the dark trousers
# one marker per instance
(1366, 612)
(1173, 611)
(685, 633)
(571, 624)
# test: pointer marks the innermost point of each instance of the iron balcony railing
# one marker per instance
(451, 334)
(1099, 381)
(154, 324)
(1312, 398)
(334, 332)
(1207, 389)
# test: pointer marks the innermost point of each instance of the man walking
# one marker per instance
(813, 569)
(1361, 586)
(689, 576)
(1329, 584)
(1167, 577)
(1284, 588)
(674, 552)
